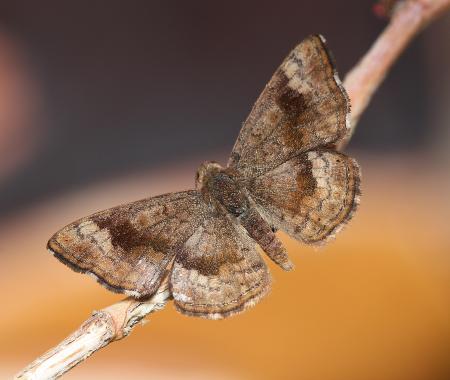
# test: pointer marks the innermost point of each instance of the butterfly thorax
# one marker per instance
(220, 187)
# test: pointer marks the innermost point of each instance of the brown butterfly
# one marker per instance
(284, 173)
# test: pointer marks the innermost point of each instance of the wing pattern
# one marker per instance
(218, 272)
(304, 106)
(129, 248)
(283, 174)
(309, 196)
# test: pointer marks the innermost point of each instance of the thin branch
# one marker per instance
(102, 328)
(115, 322)
(408, 18)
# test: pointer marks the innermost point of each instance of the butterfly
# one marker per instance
(284, 173)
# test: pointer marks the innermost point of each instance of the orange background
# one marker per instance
(373, 304)
(104, 102)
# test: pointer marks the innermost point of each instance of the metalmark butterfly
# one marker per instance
(284, 173)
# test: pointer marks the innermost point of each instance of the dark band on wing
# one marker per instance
(55, 250)
(303, 107)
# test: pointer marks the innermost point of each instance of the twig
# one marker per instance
(102, 328)
(115, 322)
(408, 17)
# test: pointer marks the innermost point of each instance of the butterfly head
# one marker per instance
(205, 171)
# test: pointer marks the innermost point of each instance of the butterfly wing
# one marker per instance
(130, 247)
(304, 106)
(218, 271)
(309, 196)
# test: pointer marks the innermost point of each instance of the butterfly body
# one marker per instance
(283, 174)
(223, 189)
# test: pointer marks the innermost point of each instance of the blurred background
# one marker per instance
(105, 102)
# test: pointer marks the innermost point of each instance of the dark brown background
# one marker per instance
(103, 102)
(130, 86)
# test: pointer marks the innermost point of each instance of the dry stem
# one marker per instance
(408, 18)
(115, 322)
(103, 327)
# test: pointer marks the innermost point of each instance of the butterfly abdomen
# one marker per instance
(261, 231)
(222, 189)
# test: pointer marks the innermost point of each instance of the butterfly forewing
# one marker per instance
(304, 106)
(129, 248)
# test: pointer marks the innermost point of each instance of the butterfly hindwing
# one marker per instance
(304, 106)
(218, 271)
(129, 248)
(309, 196)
